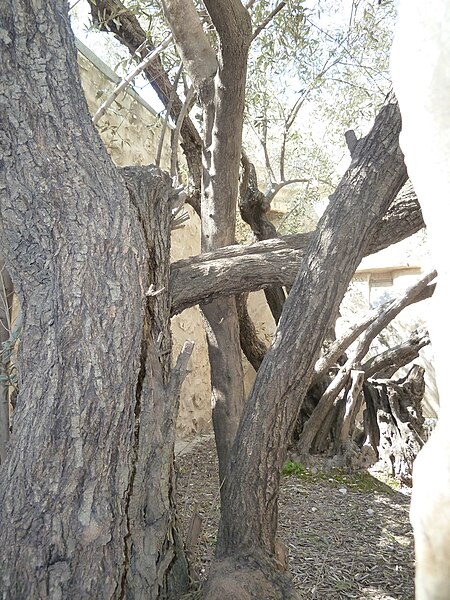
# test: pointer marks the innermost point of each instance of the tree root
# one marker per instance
(247, 578)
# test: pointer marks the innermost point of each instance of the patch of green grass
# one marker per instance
(360, 481)
(294, 468)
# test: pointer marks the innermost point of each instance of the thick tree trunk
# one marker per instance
(157, 567)
(249, 513)
(85, 493)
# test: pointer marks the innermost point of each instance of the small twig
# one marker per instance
(287, 126)
(179, 221)
(276, 187)
(166, 118)
(153, 292)
(263, 141)
(176, 134)
(267, 20)
(129, 78)
(74, 4)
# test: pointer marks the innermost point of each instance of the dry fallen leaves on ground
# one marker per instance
(348, 537)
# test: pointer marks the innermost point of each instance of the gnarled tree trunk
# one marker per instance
(246, 541)
(394, 421)
(85, 490)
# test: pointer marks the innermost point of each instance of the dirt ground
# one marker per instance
(348, 536)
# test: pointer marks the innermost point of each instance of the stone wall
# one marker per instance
(131, 131)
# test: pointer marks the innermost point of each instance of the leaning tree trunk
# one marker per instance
(246, 541)
(85, 491)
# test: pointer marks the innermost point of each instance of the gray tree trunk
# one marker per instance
(246, 541)
(394, 421)
(85, 491)
(223, 102)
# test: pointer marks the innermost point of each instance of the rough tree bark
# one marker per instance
(85, 491)
(246, 541)
(394, 421)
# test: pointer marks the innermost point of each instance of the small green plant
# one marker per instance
(294, 468)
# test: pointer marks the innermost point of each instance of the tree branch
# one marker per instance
(112, 16)
(166, 116)
(325, 404)
(337, 348)
(193, 45)
(237, 269)
(129, 78)
(252, 346)
(267, 20)
(276, 187)
(386, 363)
(187, 105)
